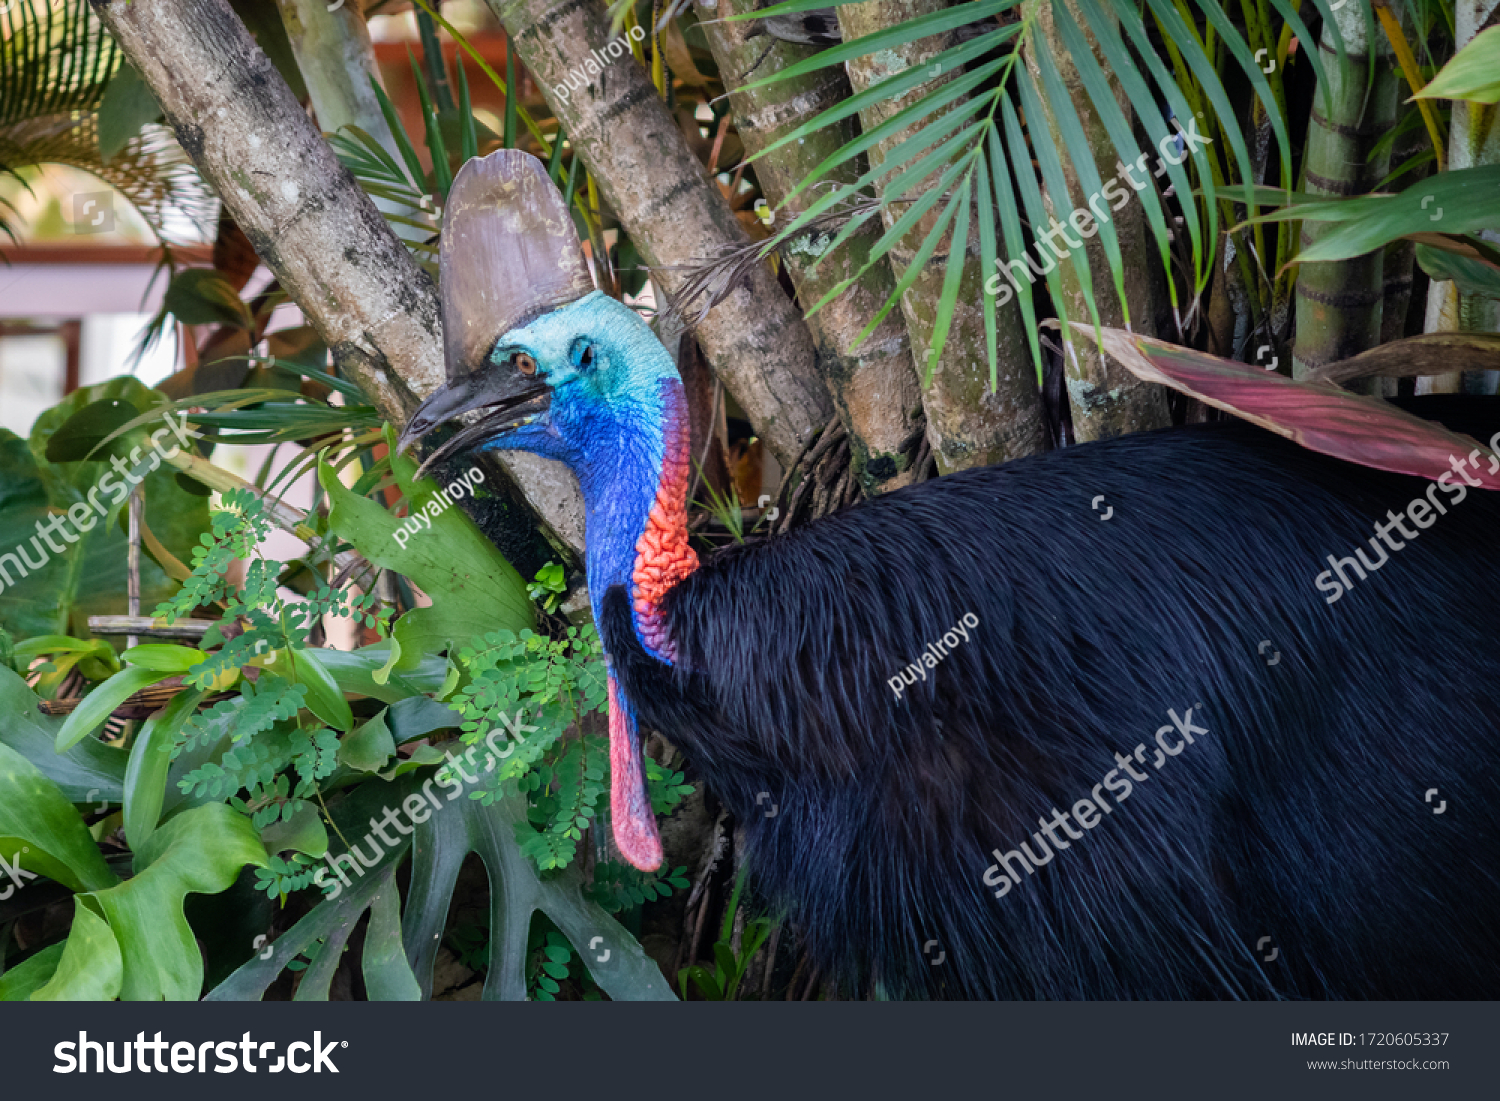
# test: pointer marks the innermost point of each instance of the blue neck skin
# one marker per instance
(607, 423)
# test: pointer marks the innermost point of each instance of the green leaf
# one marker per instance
(473, 588)
(1472, 276)
(1472, 74)
(1461, 201)
(150, 763)
(369, 747)
(90, 772)
(203, 296)
(41, 829)
(1121, 132)
(900, 34)
(889, 89)
(987, 259)
(355, 671)
(98, 704)
(958, 253)
(1202, 68)
(388, 977)
(924, 250)
(90, 969)
(325, 929)
(403, 143)
(383, 674)
(25, 978)
(200, 851)
(924, 134)
(164, 657)
(418, 717)
(1015, 244)
(468, 147)
(303, 832)
(128, 105)
(1056, 180)
(706, 983)
(324, 697)
(517, 890)
(83, 434)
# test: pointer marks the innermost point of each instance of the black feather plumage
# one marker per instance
(1299, 816)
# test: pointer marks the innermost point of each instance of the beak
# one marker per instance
(508, 254)
(507, 402)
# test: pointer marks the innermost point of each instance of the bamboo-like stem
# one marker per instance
(186, 630)
(1473, 140)
(1339, 305)
(336, 58)
(136, 508)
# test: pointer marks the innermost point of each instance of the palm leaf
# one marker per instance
(56, 62)
(949, 124)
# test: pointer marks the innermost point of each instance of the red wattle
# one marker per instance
(635, 825)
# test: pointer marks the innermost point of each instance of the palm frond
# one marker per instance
(996, 136)
(56, 63)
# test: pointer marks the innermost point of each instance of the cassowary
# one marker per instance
(991, 736)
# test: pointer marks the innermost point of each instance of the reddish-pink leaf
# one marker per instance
(1318, 415)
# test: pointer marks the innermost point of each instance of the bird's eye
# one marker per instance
(525, 364)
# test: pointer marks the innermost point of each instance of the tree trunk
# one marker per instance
(310, 223)
(757, 343)
(875, 384)
(1339, 304)
(968, 424)
(1107, 399)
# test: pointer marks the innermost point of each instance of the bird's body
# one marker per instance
(1184, 714)
(1299, 815)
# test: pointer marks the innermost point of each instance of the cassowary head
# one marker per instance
(554, 367)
